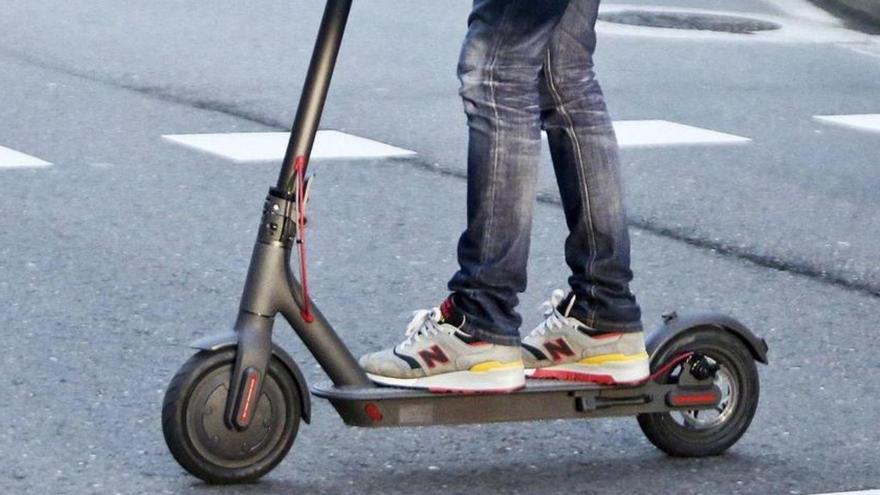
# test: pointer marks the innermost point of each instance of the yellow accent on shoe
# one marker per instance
(614, 358)
(496, 366)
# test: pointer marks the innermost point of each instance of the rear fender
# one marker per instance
(675, 324)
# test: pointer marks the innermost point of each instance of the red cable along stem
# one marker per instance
(300, 169)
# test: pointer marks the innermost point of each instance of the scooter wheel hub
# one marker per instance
(214, 439)
(201, 440)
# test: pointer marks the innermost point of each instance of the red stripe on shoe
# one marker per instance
(446, 308)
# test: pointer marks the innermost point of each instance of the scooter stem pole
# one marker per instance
(314, 94)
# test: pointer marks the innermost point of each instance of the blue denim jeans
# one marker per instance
(527, 65)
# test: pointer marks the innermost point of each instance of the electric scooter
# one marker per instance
(233, 410)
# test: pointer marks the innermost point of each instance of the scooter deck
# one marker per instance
(539, 400)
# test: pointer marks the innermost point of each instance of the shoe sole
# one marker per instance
(608, 373)
(461, 382)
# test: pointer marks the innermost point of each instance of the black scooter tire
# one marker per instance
(201, 442)
(726, 349)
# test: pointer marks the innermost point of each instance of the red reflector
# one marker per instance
(705, 399)
(248, 397)
(373, 412)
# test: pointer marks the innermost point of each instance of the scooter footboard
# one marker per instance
(540, 400)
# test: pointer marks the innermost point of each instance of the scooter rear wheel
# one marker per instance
(199, 438)
(706, 432)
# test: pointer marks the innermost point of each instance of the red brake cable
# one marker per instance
(663, 370)
(300, 170)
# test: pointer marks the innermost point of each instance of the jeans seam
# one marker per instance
(585, 197)
(488, 235)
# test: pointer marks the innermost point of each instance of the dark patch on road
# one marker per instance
(764, 260)
(681, 235)
(163, 93)
(195, 101)
(175, 96)
(688, 20)
(851, 18)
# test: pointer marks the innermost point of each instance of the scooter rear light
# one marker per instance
(702, 398)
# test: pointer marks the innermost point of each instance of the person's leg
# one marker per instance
(499, 71)
(585, 159)
(593, 334)
(471, 343)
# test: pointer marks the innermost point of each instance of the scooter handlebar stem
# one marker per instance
(314, 94)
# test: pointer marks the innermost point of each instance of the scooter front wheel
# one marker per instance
(706, 432)
(197, 434)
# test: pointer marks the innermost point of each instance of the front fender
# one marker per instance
(230, 339)
(674, 324)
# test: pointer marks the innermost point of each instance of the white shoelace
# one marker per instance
(425, 322)
(552, 317)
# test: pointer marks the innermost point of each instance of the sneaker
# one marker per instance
(437, 355)
(563, 348)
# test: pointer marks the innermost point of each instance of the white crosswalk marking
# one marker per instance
(659, 133)
(862, 122)
(270, 146)
(10, 158)
(645, 133)
(865, 492)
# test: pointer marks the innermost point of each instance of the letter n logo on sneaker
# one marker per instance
(433, 355)
(558, 348)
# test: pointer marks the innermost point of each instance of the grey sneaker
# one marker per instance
(563, 348)
(437, 356)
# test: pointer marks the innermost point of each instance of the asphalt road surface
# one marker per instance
(118, 247)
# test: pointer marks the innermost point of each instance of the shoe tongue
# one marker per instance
(449, 315)
(564, 306)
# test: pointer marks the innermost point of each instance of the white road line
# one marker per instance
(15, 159)
(862, 122)
(870, 50)
(270, 146)
(645, 133)
(659, 133)
(865, 492)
